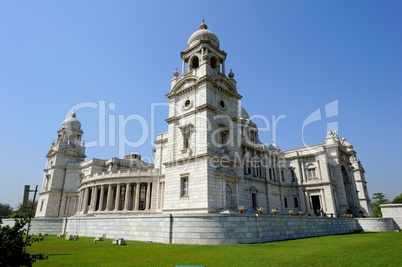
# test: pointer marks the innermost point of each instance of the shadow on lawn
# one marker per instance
(65, 254)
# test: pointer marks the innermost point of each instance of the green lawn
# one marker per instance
(363, 249)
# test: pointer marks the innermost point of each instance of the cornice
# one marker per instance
(204, 155)
(161, 141)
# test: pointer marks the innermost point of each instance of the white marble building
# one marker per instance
(210, 160)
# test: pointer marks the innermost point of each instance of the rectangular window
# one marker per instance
(311, 173)
(283, 175)
(253, 136)
(270, 173)
(41, 205)
(223, 137)
(184, 186)
(259, 169)
(254, 201)
(293, 176)
(296, 202)
(285, 200)
(186, 138)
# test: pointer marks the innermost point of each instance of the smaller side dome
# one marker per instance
(243, 113)
(203, 34)
(273, 146)
(72, 123)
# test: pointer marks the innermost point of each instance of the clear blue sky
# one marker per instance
(290, 58)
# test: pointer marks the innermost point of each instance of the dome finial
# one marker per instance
(176, 73)
(73, 114)
(231, 74)
(203, 25)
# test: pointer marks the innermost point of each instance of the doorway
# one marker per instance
(229, 202)
(315, 200)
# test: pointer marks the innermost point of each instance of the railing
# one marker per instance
(119, 174)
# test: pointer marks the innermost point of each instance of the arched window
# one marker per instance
(213, 62)
(195, 63)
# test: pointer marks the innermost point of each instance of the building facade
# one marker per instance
(210, 160)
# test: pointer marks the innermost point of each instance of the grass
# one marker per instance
(362, 249)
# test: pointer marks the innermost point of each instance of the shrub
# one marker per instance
(12, 245)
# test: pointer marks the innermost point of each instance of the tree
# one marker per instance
(5, 210)
(24, 212)
(397, 199)
(379, 198)
(12, 245)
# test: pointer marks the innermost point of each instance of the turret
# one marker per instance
(58, 194)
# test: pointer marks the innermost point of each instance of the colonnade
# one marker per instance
(115, 197)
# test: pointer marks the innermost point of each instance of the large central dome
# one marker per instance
(203, 34)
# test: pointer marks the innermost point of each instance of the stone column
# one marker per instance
(303, 172)
(133, 198)
(148, 198)
(80, 200)
(307, 201)
(303, 206)
(117, 202)
(109, 198)
(102, 192)
(324, 201)
(94, 198)
(161, 191)
(91, 198)
(84, 204)
(127, 197)
(223, 68)
(137, 197)
(319, 175)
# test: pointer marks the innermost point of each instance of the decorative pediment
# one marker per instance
(184, 84)
(224, 85)
(253, 190)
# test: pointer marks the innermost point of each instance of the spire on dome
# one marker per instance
(203, 25)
